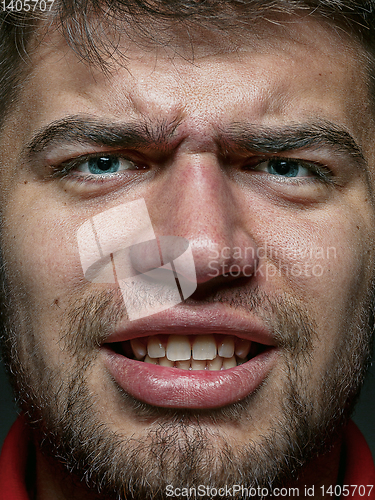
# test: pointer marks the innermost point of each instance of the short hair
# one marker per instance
(76, 20)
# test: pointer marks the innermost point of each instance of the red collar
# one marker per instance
(13, 462)
(17, 454)
(359, 464)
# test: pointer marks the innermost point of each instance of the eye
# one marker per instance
(104, 165)
(287, 168)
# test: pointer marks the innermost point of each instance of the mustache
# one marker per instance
(94, 317)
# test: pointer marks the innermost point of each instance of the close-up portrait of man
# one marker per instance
(187, 247)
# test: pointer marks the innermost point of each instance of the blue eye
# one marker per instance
(105, 165)
(285, 168)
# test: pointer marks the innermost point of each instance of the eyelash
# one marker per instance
(320, 172)
(66, 168)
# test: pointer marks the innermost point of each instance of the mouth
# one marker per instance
(191, 352)
(189, 360)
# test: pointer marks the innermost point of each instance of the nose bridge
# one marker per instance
(200, 193)
(199, 204)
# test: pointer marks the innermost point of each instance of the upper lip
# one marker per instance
(201, 320)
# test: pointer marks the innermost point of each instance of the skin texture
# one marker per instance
(212, 199)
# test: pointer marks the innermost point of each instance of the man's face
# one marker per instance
(255, 157)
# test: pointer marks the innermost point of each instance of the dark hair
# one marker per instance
(76, 19)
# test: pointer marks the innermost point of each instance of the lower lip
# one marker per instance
(174, 388)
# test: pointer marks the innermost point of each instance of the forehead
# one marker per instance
(294, 71)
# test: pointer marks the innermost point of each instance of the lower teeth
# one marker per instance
(215, 364)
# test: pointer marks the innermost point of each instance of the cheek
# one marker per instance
(322, 261)
(44, 276)
(41, 254)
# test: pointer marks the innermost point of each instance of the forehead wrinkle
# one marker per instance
(259, 40)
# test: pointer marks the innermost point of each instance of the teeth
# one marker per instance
(201, 355)
(139, 349)
(226, 347)
(242, 348)
(204, 347)
(215, 364)
(183, 365)
(151, 360)
(229, 363)
(178, 348)
(155, 348)
(197, 364)
(166, 362)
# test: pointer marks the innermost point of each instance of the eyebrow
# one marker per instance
(91, 130)
(251, 138)
(266, 140)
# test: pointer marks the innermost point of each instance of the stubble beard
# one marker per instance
(186, 448)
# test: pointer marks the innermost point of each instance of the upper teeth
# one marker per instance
(204, 347)
(178, 348)
(180, 351)
(226, 348)
(155, 348)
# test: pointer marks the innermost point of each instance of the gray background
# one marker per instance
(364, 415)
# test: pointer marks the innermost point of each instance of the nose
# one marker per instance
(197, 200)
